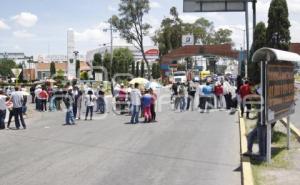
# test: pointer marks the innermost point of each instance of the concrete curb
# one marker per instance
(247, 175)
(293, 128)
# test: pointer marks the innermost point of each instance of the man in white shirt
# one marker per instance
(17, 99)
(2, 109)
(135, 98)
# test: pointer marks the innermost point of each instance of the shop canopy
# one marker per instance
(270, 54)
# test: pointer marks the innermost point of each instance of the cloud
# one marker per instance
(112, 8)
(3, 25)
(97, 35)
(154, 4)
(295, 30)
(23, 34)
(25, 19)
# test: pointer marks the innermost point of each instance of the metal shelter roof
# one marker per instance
(270, 54)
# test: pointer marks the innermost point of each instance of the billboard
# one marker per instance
(214, 5)
(187, 40)
(280, 90)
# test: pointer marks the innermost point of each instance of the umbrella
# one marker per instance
(51, 81)
(140, 81)
(153, 85)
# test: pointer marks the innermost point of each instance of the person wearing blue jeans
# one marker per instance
(68, 100)
(135, 101)
(135, 114)
(70, 117)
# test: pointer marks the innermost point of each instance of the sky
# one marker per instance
(39, 27)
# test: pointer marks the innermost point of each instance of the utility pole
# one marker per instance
(111, 29)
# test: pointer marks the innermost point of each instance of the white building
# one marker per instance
(18, 58)
(152, 53)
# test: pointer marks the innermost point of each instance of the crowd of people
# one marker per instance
(219, 94)
(13, 100)
(138, 101)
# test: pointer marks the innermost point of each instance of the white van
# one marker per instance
(180, 76)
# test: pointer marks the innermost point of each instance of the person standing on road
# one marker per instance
(135, 98)
(122, 98)
(32, 89)
(153, 103)
(228, 91)
(219, 95)
(181, 93)
(43, 98)
(146, 102)
(68, 100)
(17, 99)
(201, 97)
(90, 99)
(37, 91)
(79, 104)
(191, 95)
(244, 91)
(3, 99)
(208, 97)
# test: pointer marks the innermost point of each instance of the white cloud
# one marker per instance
(3, 25)
(154, 4)
(295, 30)
(112, 8)
(23, 34)
(25, 19)
(97, 35)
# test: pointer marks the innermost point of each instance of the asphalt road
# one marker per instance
(186, 148)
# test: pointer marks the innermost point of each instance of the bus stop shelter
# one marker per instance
(278, 89)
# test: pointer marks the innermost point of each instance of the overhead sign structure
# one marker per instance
(214, 5)
(188, 40)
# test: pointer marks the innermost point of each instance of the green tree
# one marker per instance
(106, 64)
(84, 75)
(60, 75)
(168, 37)
(131, 25)
(5, 67)
(52, 69)
(133, 67)
(137, 70)
(155, 71)
(222, 36)
(123, 58)
(278, 33)
(97, 61)
(143, 69)
(259, 41)
(77, 68)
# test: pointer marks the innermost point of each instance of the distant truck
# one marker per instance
(204, 75)
(180, 76)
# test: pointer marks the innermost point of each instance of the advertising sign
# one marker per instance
(280, 90)
(152, 52)
(187, 40)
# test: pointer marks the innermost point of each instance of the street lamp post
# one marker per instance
(111, 29)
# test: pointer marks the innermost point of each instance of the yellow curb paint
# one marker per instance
(247, 175)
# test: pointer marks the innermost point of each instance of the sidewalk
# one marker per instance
(285, 166)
